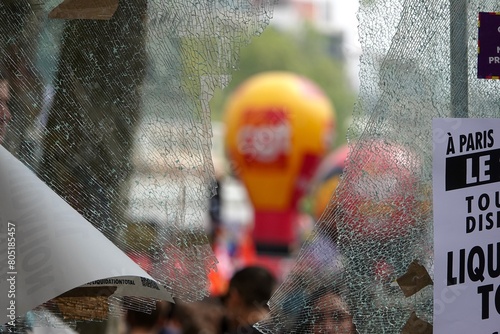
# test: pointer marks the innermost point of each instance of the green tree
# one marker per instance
(19, 31)
(95, 111)
(305, 53)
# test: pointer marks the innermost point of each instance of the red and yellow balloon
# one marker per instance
(326, 181)
(381, 196)
(279, 125)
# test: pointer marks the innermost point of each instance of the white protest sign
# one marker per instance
(47, 248)
(466, 192)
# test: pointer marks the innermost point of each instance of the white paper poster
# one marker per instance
(47, 248)
(466, 191)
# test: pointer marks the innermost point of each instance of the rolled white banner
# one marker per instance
(47, 248)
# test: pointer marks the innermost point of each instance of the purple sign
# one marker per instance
(488, 46)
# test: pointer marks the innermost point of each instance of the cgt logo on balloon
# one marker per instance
(264, 139)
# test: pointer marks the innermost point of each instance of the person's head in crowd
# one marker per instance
(246, 301)
(142, 321)
(330, 311)
(5, 115)
(193, 318)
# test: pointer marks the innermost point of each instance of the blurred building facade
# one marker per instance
(320, 14)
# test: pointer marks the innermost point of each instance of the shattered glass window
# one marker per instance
(379, 218)
(109, 108)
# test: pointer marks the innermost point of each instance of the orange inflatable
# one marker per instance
(278, 127)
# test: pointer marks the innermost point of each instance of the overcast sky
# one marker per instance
(345, 12)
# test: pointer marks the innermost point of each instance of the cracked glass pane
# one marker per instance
(379, 218)
(111, 112)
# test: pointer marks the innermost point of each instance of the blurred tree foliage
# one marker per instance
(95, 112)
(21, 23)
(308, 53)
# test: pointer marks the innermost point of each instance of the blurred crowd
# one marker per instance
(241, 307)
(236, 311)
